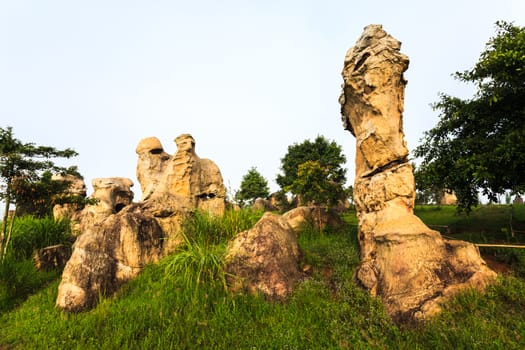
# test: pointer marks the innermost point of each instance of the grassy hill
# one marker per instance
(166, 310)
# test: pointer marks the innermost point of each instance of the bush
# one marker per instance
(18, 275)
(30, 233)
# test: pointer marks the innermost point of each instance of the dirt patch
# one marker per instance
(496, 266)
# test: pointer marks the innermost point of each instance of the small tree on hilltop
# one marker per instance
(253, 186)
(313, 172)
(19, 160)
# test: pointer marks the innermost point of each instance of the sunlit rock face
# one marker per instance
(403, 261)
(265, 258)
(118, 237)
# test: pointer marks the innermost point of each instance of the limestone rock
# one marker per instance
(150, 165)
(260, 204)
(52, 257)
(318, 217)
(449, 198)
(77, 187)
(183, 182)
(71, 211)
(403, 261)
(108, 254)
(265, 258)
(112, 195)
(118, 237)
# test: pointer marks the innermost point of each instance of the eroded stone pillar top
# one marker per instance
(185, 143)
(149, 144)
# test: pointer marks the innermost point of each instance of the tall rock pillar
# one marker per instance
(403, 261)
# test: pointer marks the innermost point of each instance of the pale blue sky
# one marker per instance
(245, 78)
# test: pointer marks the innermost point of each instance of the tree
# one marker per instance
(19, 160)
(478, 143)
(253, 186)
(313, 171)
(38, 198)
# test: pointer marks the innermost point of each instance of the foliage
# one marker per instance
(19, 160)
(31, 233)
(39, 197)
(314, 171)
(478, 143)
(18, 275)
(253, 186)
(199, 259)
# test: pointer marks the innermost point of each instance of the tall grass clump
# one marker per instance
(19, 277)
(31, 233)
(199, 259)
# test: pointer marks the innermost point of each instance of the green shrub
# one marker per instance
(30, 233)
(19, 277)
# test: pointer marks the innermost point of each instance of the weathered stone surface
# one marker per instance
(448, 199)
(150, 165)
(112, 195)
(187, 182)
(77, 187)
(119, 237)
(108, 254)
(260, 204)
(265, 258)
(403, 261)
(318, 217)
(197, 180)
(52, 257)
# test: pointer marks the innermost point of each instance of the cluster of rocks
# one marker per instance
(411, 267)
(117, 237)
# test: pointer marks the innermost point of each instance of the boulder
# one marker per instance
(448, 198)
(52, 257)
(108, 254)
(264, 258)
(318, 217)
(260, 204)
(404, 262)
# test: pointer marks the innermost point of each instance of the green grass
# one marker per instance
(19, 277)
(181, 303)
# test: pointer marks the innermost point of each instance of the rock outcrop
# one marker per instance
(150, 165)
(264, 258)
(108, 254)
(178, 184)
(119, 237)
(77, 187)
(52, 257)
(318, 217)
(403, 261)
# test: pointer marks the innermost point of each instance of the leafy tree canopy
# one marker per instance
(478, 143)
(314, 171)
(253, 186)
(19, 160)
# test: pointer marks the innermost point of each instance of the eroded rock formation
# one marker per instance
(264, 258)
(119, 237)
(403, 261)
(318, 217)
(108, 254)
(179, 183)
